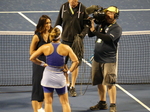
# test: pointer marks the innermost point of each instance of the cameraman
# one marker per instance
(104, 65)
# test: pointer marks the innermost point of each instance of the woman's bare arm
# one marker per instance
(74, 60)
(33, 44)
(36, 54)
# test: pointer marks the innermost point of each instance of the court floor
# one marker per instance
(22, 15)
(130, 98)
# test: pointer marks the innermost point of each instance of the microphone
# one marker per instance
(92, 9)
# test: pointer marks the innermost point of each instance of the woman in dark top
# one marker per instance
(40, 37)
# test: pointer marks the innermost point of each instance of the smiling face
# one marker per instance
(47, 24)
(44, 24)
(73, 3)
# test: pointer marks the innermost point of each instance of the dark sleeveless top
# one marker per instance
(38, 70)
(41, 42)
(37, 73)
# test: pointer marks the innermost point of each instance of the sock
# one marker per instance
(103, 102)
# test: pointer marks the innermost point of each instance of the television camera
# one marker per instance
(98, 14)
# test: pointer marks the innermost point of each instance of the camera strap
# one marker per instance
(106, 30)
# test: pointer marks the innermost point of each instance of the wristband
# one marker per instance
(68, 72)
(42, 63)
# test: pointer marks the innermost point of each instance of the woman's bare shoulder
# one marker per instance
(65, 46)
(47, 45)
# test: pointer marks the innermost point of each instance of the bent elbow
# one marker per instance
(77, 62)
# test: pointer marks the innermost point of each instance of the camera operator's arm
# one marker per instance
(92, 27)
(104, 37)
(91, 34)
(84, 32)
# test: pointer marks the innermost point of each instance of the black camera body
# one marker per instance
(97, 14)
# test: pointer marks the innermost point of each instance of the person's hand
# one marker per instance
(64, 69)
(43, 64)
(80, 35)
(92, 25)
(66, 72)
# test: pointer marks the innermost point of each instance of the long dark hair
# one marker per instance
(42, 21)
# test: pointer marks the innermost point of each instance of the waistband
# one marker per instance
(54, 69)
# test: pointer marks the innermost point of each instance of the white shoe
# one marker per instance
(41, 110)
